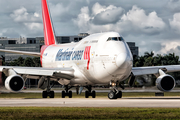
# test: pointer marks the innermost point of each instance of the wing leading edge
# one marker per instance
(66, 73)
(154, 69)
(35, 54)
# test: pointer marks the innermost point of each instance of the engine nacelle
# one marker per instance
(14, 83)
(165, 83)
(42, 83)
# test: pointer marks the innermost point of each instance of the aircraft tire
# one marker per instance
(111, 95)
(86, 94)
(119, 95)
(70, 94)
(44, 94)
(51, 94)
(63, 94)
(93, 94)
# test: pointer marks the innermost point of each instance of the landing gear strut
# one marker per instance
(66, 92)
(115, 93)
(89, 93)
(48, 92)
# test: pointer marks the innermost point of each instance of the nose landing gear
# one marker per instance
(115, 93)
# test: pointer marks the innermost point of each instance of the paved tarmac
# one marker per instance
(99, 90)
(166, 102)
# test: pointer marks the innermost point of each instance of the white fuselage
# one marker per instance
(95, 59)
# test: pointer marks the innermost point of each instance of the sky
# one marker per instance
(154, 25)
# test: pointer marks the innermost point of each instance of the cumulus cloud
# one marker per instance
(145, 23)
(34, 26)
(175, 22)
(83, 19)
(174, 5)
(21, 15)
(29, 21)
(170, 47)
(106, 15)
(112, 18)
(137, 19)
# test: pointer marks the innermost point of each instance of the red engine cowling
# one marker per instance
(14, 83)
(165, 83)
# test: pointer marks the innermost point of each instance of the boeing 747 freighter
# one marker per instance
(98, 59)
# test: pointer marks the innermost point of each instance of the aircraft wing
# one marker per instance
(22, 52)
(66, 73)
(154, 69)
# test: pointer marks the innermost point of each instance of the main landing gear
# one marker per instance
(89, 93)
(66, 92)
(48, 92)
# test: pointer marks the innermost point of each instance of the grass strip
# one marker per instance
(46, 113)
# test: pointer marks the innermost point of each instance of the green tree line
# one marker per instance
(149, 59)
(26, 62)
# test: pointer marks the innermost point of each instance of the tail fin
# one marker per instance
(49, 34)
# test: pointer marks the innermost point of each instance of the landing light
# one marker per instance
(113, 84)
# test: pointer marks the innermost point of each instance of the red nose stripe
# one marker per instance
(87, 55)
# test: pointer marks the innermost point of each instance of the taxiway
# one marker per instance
(167, 102)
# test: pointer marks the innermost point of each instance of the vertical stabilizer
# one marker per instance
(49, 34)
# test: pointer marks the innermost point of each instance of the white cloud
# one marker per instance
(83, 20)
(21, 15)
(109, 15)
(36, 14)
(134, 21)
(33, 26)
(170, 47)
(174, 5)
(137, 20)
(175, 23)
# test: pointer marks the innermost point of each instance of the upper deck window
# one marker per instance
(115, 39)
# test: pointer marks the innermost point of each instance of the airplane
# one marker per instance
(98, 59)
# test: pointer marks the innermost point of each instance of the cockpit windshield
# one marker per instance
(115, 39)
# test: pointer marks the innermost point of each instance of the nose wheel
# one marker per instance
(114, 94)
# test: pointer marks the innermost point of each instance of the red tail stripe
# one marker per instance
(49, 36)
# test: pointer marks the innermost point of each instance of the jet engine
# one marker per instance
(14, 83)
(165, 83)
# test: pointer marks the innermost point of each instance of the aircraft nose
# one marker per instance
(123, 60)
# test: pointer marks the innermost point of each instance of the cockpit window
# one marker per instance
(121, 39)
(115, 39)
